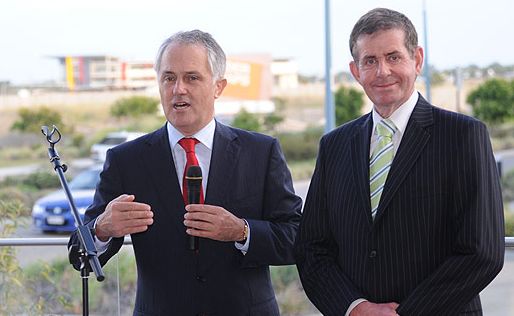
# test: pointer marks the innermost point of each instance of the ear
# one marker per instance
(418, 58)
(220, 86)
(354, 69)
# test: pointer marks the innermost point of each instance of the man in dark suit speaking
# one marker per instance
(404, 213)
(248, 214)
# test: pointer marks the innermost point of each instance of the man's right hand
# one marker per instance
(123, 216)
(372, 309)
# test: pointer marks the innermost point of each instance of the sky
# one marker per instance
(460, 32)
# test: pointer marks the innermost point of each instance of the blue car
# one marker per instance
(52, 213)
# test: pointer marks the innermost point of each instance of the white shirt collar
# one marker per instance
(400, 116)
(205, 135)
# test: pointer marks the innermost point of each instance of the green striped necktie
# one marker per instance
(380, 162)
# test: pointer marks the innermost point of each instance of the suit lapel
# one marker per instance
(161, 169)
(360, 163)
(225, 153)
(417, 135)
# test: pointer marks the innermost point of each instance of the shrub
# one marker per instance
(508, 187)
(134, 106)
(11, 277)
(509, 224)
(10, 194)
(348, 104)
(31, 120)
(300, 146)
(246, 120)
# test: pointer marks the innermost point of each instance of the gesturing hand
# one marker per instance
(213, 222)
(123, 216)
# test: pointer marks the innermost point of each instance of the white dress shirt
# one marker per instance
(400, 118)
(203, 151)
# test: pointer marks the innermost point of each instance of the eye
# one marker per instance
(369, 62)
(168, 78)
(394, 59)
(193, 77)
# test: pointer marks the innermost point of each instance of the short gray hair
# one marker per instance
(215, 55)
(381, 19)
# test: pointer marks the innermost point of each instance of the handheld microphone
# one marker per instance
(194, 185)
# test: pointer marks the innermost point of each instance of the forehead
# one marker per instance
(185, 57)
(382, 42)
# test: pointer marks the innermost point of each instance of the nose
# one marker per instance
(383, 69)
(179, 87)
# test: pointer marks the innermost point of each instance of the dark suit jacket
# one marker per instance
(249, 177)
(438, 237)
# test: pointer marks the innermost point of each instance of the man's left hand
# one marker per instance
(213, 222)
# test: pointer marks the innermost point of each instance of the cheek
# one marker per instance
(365, 79)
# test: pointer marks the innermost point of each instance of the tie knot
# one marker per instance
(386, 128)
(188, 144)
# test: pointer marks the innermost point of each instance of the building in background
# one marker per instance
(285, 74)
(137, 75)
(251, 78)
(105, 72)
(249, 85)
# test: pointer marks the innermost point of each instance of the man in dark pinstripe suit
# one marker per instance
(436, 238)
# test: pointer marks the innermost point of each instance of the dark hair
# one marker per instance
(381, 19)
(215, 55)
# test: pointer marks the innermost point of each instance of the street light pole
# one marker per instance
(329, 97)
(427, 64)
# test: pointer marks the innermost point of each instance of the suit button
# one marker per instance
(373, 254)
(201, 278)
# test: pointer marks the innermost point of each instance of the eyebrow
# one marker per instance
(387, 54)
(191, 72)
(393, 53)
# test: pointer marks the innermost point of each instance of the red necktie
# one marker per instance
(189, 147)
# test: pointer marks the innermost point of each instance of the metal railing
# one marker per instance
(53, 241)
(63, 241)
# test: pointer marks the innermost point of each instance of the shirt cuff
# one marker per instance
(244, 247)
(353, 305)
(101, 246)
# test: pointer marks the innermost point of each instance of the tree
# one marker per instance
(134, 106)
(31, 120)
(493, 101)
(247, 120)
(348, 104)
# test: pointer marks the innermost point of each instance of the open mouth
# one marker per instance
(181, 105)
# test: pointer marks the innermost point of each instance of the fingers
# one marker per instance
(123, 216)
(212, 222)
(204, 208)
(126, 202)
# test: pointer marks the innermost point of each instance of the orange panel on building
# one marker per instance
(244, 80)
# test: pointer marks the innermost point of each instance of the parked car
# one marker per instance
(99, 150)
(52, 212)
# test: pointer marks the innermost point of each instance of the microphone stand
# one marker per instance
(87, 250)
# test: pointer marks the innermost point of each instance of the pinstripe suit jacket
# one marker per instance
(438, 237)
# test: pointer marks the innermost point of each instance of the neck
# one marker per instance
(386, 111)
